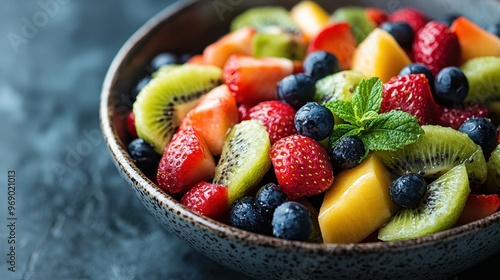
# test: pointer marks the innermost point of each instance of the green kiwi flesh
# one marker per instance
(356, 17)
(440, 209)
(244, 160)
(266, 19)
(163, 103)
(493, 179)
(436, 152)
(278, 44)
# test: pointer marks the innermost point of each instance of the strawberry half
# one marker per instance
(436, 47)
(302, 166)
(185, 162)
(253, 80)
(376, 16)
(414, 17)
(411, 94)
(276, 116)
(456, 115)
(130, 125)
(479, 206)
(207, 199)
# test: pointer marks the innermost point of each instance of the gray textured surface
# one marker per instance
(76, 218)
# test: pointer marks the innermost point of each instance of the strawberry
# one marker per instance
(130, 125)
(253, 80)
(207, 199)
(436, 47)
(455, 116)
(479, 206)
(376, 16)
(185, 162)
(243, 111)
(276, 116)
(302, 166)
(414, 17)
(411, 94)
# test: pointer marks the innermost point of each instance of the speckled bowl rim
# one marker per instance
(126, 165)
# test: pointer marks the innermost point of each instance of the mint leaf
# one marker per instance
(340, 131)
(391, 131)
(367, 118)
(343, 109)
(367, 97)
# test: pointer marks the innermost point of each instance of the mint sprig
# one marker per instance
(388, 131)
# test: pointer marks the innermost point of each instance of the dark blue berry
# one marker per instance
(448, 19)
(292, 221)
(483, 132)
(418, 68)
(314, 120)
(245, 215)
(408, 190)
(268, 198)
(144, 156)
(494, 28)
(139, 86)
(161, 60)
(450, 86)
(296, 90)
(348, 152)
(183, 58)
(320, 64)
(401, 31)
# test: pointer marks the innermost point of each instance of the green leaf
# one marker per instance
(343, 109)
(367, 97)
(367, 118)
(342, 130)
(391, 131)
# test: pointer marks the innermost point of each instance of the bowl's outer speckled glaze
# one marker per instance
(189, 26)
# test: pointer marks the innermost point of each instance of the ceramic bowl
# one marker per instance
(188, 26)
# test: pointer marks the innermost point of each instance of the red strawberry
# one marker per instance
(185, 162)
(276, 116)
(376, 16)
(253, 80)
(130, 124)
(436, 47)
(411, 94)
(456, 115)
(414, 17)
(207, 199)
(479, 206)
(302, 166)
(243, 111)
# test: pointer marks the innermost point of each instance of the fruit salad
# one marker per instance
(345, 126)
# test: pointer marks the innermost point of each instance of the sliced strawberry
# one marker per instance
(253, 80)
(414, 17)
(185, 162)
(130, 125)
(411, 94)
(479, 206)
(207, 199)
(455, 116)
(338, 39)
(436, 47)
(376, 16)
(302, 166)
(236, 42)
(276, 116)
(213, 117)
(243, 111)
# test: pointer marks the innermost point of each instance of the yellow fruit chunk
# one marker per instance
(474, 40)
(380, 55)
(357, 204)
(310, 17)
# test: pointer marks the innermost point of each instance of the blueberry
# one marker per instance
(292, 221)
(245, 215)
(320, 64)
(418, 68)
(161, 60)
(314, 120)
(401, 31)
(139, 86)
(450, 86)
(347, 153)
(494, 28)
(448, 19)
(408, 190)
(483, 132)
(268, 198)
(296, 90)
(144, 156)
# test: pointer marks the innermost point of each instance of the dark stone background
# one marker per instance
(76, 218)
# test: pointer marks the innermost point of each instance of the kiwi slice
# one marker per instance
(493, 179)
(164, 70)
(244, 160)
(163, 103)
(436, 152)
(266, 19)
(361, 26)
(279, 44)
(440, 209)
(483, 75)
